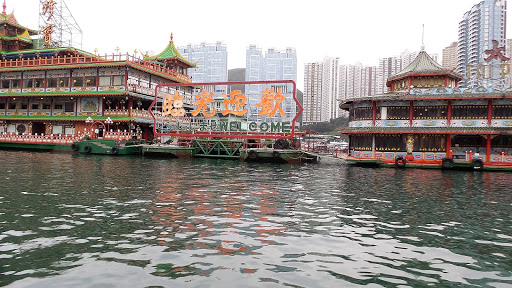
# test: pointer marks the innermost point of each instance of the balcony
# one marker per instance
(38, 139)
(95, 59)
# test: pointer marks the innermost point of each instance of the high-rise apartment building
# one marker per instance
(357, 81)
(450, 56)
(212, 63)
(315, 105)
(387, 67)
(485, 22)
(274, 65)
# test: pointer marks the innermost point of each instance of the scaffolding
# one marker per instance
(65, 31)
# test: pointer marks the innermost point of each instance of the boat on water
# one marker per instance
(426, 121)
(53, 97)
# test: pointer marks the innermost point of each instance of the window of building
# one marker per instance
(61, 82)
(35, 107)
(2, 105)
(12, 106)
(24, 106)
(69, 106)
(33, 83)
(469, 112)
(430, 112)
(46, 106)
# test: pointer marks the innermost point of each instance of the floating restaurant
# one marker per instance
(53, 96)
(426, 121)
(64, 98)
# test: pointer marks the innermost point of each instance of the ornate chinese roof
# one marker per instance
(423, 65)
(170, 53)
(9, 19)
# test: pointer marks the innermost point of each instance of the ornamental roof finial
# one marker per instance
(171, 32)
(4, 6)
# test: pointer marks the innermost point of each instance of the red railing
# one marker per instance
(70, 60)
(39, 139)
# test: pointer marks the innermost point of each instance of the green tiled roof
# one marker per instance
(9, 19)
(46, 50)
(170, 52)
(423, 64)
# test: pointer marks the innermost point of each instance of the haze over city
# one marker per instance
(355, 31)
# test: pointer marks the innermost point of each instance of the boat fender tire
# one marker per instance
(477, 164)
(87, 149)
(447, 163)
(75, 147)
(281, 144)
(400, 162)
(252, 154)
(276, 154)
(115, 150)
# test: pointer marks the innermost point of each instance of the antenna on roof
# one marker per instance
(422, 38)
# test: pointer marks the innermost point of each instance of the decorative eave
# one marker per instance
(423, 65)
(427, 130)
(170, 53)
(440, 93)
(54, 51)
(16, 25)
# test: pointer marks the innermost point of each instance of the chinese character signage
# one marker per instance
(268, 109)
(493, 70)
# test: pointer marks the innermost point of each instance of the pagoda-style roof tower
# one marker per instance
(171, 58)
(423, 72)
(14, 36)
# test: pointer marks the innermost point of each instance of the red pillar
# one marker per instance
(449, 113)
(489, 112)
(410, 84)
(374, 116)
(488, 150)
(446, 81)
(448, 146)
(411, 114)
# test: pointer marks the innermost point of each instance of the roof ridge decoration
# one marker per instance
(170, 52)
(423, 64)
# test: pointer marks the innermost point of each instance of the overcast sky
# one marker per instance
(355, 30)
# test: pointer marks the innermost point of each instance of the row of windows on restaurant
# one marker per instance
(424, 142)
(66, 106)
(432, 112)
(63, 82)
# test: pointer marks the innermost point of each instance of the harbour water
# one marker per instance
(70, 220)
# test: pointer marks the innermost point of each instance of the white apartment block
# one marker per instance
(274, 65)
(212, 63)
(316, 106)
(485, 22)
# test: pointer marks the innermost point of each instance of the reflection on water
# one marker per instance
(87, 221)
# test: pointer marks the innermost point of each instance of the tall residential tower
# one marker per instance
(485, 22)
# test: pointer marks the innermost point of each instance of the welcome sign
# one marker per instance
(265, 109)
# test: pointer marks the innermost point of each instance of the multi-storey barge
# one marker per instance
(54, 96)
(426, 121)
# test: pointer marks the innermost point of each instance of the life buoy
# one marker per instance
(87, 149)
(115, 150)
(400, 161)
(477, 164)
(252, 154)
(75, 147)
(276, 154)
(447, 163)
(282, 144)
